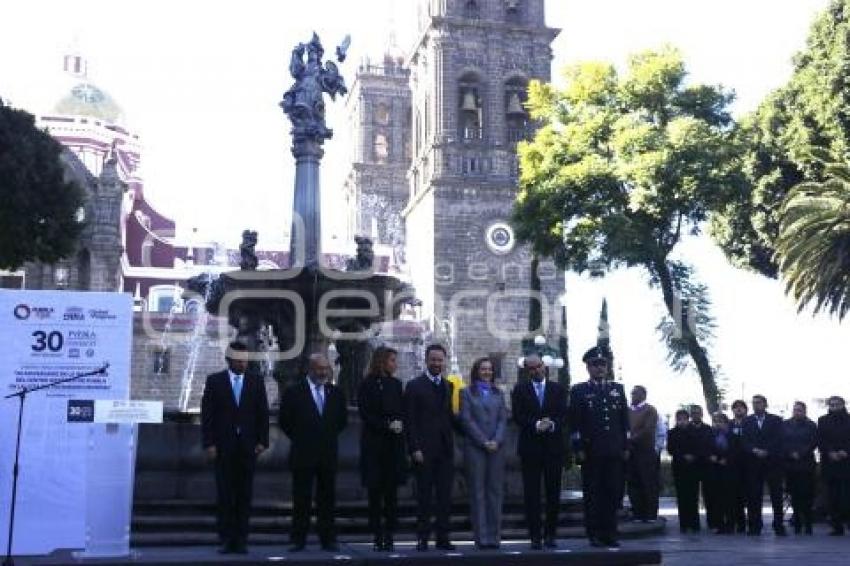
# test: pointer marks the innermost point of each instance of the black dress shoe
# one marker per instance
(596, 543)
(550, 542)
(444, 544)
(297, 546)
(536, 544)
(389, 543)
(240, 549)
(422, 545)
(609, 542)
(226, 549)
(378, 544)
(330, 546)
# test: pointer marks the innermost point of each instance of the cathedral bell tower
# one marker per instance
(470, 71)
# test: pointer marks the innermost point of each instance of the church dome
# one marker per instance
(86, 99)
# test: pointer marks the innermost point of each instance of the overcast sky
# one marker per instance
(200, 82)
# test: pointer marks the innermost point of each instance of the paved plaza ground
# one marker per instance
(722, 550)
(676, 549)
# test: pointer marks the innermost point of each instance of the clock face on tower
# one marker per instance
(499, 238)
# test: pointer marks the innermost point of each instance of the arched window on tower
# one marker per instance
(517, 124)
(470, 114)
(513, 11)
(382, 114)
(382, 149)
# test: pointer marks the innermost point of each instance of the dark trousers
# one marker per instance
(759, 473)
(383, 503)
(434, 478)
(303, 481)
(686, 480)
(720, 498)
(234, 479)
(801, 485)
(739, 487)
(549, 471)
(839, 501)
(643, 484)
(602, 479)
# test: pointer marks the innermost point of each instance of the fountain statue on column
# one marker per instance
(304, 104)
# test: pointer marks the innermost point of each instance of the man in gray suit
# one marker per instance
(483, 415)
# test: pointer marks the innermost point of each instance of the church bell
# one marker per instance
(515, 106)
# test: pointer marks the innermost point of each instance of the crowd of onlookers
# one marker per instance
(731, 460)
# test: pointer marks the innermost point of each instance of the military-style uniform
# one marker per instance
(599, 421)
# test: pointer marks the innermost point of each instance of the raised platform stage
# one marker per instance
(511, 554)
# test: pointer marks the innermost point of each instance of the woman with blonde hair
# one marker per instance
(382, 456)
(484, 415)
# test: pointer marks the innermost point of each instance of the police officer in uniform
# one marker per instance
(599, 420)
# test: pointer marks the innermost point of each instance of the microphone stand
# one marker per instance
(22, 395)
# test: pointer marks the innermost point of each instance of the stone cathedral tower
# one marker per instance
(378, 110)
(469, 72)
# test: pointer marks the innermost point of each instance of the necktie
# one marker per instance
(237, 387)
(539, 388)
(320, 399)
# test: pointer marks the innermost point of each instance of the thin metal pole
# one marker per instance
(8, 561)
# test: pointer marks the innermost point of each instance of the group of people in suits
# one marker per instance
(412, 429)
(732, 460)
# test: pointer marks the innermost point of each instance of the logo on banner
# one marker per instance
(80, 411)
(74, 313)
(22, 312)
(101, 314)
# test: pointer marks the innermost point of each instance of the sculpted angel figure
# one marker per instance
(303, 102)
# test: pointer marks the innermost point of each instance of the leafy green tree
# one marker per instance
(811, 111)
(38, 211)
(622, 168)
(813, 247)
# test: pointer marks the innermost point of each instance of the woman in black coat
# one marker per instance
(799, 440)
(720, 477)
(382, 454)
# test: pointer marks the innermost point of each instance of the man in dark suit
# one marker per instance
(540, 411)
(599, 421)
(428, 422)
(834, 448)
(313, 413)
(761, 437)
(234, 431)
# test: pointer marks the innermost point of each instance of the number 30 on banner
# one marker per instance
(51, 341)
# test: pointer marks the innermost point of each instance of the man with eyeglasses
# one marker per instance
(599, 421)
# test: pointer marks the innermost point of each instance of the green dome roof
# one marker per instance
(86, 99)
